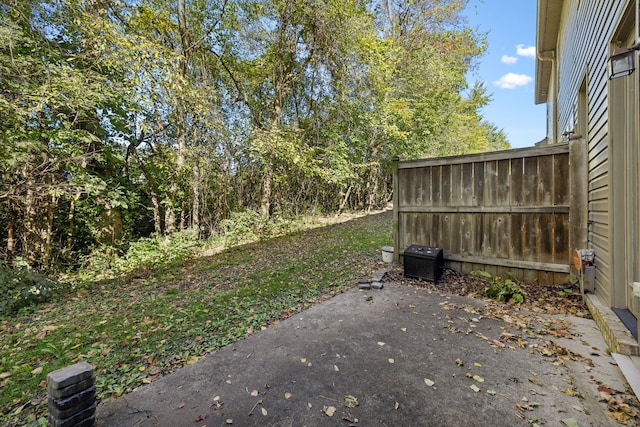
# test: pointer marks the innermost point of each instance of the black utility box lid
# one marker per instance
(423, 262)
(423, 251)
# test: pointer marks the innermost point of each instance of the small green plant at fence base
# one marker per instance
(501, 289)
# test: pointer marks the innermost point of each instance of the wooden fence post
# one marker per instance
(396, 212)
(578, 195)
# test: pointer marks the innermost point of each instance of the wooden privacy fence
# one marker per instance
(519, 211)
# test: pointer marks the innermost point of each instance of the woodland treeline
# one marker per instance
(124, 118)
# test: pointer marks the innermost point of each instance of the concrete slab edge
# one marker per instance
(630, 367)
(615, 334)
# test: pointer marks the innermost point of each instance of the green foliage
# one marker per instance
(146, 252)
(502, 289)
(20, 287)
(250, 225)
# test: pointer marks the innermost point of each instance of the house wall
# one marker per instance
(585, 32)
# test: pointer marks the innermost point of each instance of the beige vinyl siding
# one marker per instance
(583, 49)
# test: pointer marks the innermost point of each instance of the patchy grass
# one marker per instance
(137, 328)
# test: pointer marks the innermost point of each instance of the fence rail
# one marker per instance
(520, 211)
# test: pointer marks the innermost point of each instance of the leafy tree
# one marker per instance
(124, 118)
(52, 92)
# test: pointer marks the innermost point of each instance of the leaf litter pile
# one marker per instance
(536, 316)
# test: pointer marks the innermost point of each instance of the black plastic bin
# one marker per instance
(423, 262)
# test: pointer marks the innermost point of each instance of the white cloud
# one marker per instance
(529, 51)
(506, 59)
(512, 81)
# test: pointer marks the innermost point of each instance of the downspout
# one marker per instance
(550, 56)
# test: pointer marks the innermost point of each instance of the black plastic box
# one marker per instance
(423, 262)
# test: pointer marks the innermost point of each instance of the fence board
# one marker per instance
(502, 212)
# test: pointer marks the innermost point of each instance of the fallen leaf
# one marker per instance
(475, 388)
(335, 368)
(181, 405)
(428, 382)
(254, 393)
(201, 417)
(19, 409)
(491, 392)
(350, 401)
(478, 378)
(348, 417)
(37, 371)
(329, 410)
(535, 381)
(570, 422)
(403, 329)
(264, 412)
(459, 362)
(391, 360)
(229, 421)
(303, 360)
(479, 365)
(396, 406)
(605, 389)
(287, 395)
(380, 343)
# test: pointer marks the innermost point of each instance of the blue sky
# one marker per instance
(508, 67)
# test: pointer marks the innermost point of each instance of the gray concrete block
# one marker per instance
(84, 418)
(69, 412)
(378, 275)
(70, 390)
(69, 375)
(72, 401)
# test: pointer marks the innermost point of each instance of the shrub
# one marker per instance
(249, 225)
(20, 287)
(501, 289)
(151, 251)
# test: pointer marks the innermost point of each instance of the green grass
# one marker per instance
(137, 328)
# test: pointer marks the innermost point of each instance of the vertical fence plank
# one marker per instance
(456, 185)
(490, 183)
(436, 186)
(396, 208)
(546, 174)
(503, 183)
(517, 178)
(467, 186)
(529, 183)
(479, 181)
(445, 185)
(561, 177)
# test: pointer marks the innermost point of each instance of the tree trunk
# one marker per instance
(181, 124)
(11, 238)
(153, 191)
(195, 210)
(345, 200)
(267, 178)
